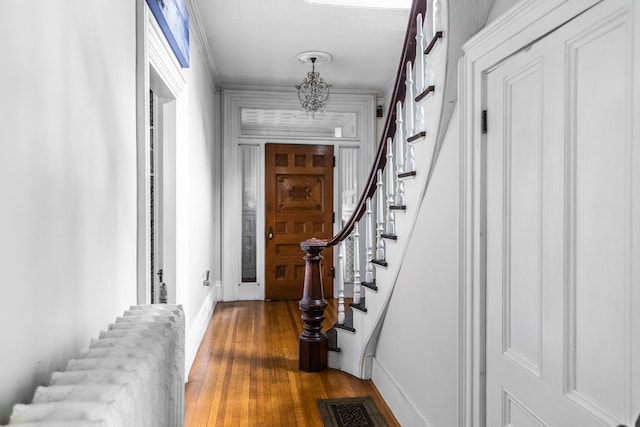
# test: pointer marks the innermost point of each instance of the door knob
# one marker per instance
(270, 233)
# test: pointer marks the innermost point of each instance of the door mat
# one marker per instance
(350, 412)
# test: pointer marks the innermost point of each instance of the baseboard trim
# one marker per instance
(402, 408)
(197, 330)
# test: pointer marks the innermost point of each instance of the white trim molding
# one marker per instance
(162, 59)
(397, 400)
(196, 331)
(157, 67)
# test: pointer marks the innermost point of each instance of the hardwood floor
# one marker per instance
(246, 371)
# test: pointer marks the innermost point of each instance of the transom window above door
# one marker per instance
(277, 122)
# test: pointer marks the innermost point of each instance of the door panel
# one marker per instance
(299, 206)
(521, 237)
(560, 332)
(599, 215)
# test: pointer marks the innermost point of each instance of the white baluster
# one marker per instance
(420, 66)
(429, 78)
(399, 142)
(399, 139)
(437, 16)
(429, 33)
(380, 245)
(419, 62)
(408, 102)
(411, 165)
(391, 197)
(341, 316)
(368, 276)
(356, 264)
(428, 22)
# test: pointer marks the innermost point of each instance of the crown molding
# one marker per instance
(200, 38)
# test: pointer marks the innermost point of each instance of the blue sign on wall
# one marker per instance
(173, 18)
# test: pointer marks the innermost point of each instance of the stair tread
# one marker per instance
(370, 285)
(417, 136)
(361, 306)
(332, 340)
(348, 322)
(427, 91)
(380, 262)
(436, 36)
(407, 174)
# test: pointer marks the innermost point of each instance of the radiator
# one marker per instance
(131, 376)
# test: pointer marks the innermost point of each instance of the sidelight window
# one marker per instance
(249, 166)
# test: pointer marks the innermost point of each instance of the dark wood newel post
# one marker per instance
(313, 342)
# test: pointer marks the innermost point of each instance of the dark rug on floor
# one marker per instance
(350, 412)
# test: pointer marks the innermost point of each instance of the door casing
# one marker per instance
(234, 100)
(158, 70)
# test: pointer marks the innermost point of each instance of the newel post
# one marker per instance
(313, 342)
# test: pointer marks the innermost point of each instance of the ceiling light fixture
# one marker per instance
(313, 92)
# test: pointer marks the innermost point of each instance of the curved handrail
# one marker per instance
(408, 55)
(313, 343)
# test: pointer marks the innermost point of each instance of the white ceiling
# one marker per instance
(255, 42)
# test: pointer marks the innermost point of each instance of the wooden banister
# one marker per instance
(313, 345)
(408, 55)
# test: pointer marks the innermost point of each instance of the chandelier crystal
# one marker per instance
(313, 92)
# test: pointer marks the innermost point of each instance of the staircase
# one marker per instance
(424, 98)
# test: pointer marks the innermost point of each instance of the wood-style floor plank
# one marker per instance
(246, 371)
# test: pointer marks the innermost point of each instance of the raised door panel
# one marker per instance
(522, 210)
(600, 217)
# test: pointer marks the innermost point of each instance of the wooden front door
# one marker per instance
(299, 206)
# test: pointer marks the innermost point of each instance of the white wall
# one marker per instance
(67, 182)
(68, 194)
(202, 187)
(500, 7)
(418, 344)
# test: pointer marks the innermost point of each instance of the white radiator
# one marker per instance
(132, 376)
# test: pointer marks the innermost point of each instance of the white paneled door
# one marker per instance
(562, 224)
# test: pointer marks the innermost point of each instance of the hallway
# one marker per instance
(246, 371)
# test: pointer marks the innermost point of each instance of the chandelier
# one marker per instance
(313, 92)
